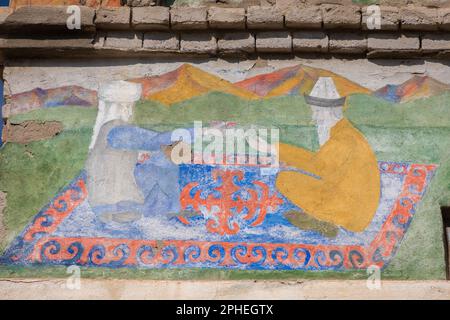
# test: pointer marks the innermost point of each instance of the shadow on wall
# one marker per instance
(446, 224)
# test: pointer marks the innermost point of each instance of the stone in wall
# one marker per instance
(444, 15)
(419, 18)
(221, 3)
(341, 17)
(188, 18)
(47, 19)
(264, 18)
(161, 41)
(226, 18)
(153, 18)
(351, 43)
(390, 18)
(118, 18)
(304, 17)
(26, 3)
(430, 3)
(198, 43)
(310, 41)
(141, 3)
(236, 43)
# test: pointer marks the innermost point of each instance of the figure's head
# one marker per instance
(326, 105)
(115, 102)
(326, 115)
(117, 98)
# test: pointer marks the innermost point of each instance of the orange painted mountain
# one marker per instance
(415, 88)
(296, 80)
(185, 83)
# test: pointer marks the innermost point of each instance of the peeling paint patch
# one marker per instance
(29, 131)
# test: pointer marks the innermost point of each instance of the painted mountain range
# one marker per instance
(296, 80)
(415, 88)
(187, 82)
(46, 98)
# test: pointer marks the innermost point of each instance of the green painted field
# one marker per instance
(419, 132)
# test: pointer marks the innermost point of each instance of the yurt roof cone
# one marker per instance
(324, 94)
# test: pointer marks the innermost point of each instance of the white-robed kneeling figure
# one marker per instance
(121, 190)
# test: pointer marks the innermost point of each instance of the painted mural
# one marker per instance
(315, 186)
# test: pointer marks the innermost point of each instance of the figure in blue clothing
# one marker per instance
(119, 189)
(158, 177)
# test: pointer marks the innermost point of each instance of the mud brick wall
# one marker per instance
(410, 31)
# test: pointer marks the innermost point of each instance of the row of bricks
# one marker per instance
(312, 17)
(274, 42)
(253, 18)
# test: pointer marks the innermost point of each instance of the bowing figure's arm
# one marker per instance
(136, 138)
(297, 157)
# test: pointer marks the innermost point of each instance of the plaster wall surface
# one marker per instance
(207, 290)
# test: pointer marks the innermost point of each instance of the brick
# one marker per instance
(395, 3)
(430, 3)
(150, 18)
(444, 19)
(236, 42)
(337, 16)
(274, 41)
(161, 41)
(389, 20)
(264, 18)
(198, 43)
(226, 18)
(286, 5)
(435, 42)
(419, 18)
(111, 3)
(123, 39)
(140, 3)
(304, 17)
(393, 41)
(48, 42)
(113, 18)
(348, 43)
(188, 18)
(310, 41)
(319, 2)
(46, 18)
